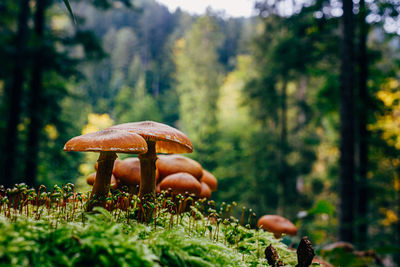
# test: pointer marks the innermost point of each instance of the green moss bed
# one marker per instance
(52, 229)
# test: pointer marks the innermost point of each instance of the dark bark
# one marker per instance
(346, 180)
(362, 129)
(36, 91)
(15, 97)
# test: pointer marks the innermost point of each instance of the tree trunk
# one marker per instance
(346, 182)
(362, 129)
(36, 88)
(15, 96)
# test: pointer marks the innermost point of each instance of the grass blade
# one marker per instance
(66, 2)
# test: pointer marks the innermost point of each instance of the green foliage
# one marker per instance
(198, 80)
(175, 248)
(322, 207)
(134, 104)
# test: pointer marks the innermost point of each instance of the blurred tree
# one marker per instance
(15, 95)
(41, 124)
(36, 88)
(347, 128)
(198, 74)
(362, 119)
(286, 51)
(135, 104)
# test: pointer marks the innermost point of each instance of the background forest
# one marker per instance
(270, 102)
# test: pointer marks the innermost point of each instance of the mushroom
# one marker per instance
(115, 163)
(171, 164)
(160, 138)
(92, 178)
(209, 179)
(180, 183)
(205, 191)
(128, 172)
(108, 143)
(277, 225)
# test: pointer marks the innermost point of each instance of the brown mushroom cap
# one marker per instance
(169, 139)
(92, 177)
(209, 179)
(170, 164)
(205, 191)
(180, 183)
(128, 171)
(108, 140)
(277, 225)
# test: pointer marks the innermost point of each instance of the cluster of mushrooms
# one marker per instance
(151, 173)
(176, 173)
(145, 139)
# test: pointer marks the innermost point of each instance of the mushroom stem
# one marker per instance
(148, 171)
(101, 184)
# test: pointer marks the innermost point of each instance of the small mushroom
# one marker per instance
(160, 138)
(92, 177)
(180, 183)
(108, 143)
(277, 224)
(209, 179)
(170, 164)
(205, 191)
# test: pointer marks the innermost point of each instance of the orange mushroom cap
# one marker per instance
(128, 171)
(168, 139)
(180, 183)
(277, 225)
(209, 179)
(108, 140)
(92, 177)
(205, 191)
(170, 164)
